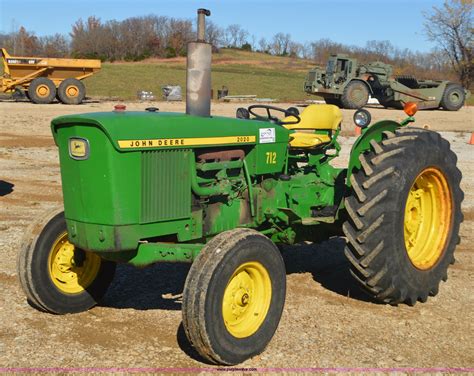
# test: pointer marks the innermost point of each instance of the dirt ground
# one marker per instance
(327, 321)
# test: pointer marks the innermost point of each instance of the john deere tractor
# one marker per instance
(221, 193)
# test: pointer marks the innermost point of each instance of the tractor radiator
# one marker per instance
(166, 185)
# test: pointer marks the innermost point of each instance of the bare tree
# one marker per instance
(214, 34)
(380, 49)
(280, 44)
(450, 26)
(231, 36)
(263, 45)
(322, 48)
(54, 46)
(180, 33)
(306, 51)
(295, 49)
(85, 38)
(253, 42)
(242, 38)
(26, 43)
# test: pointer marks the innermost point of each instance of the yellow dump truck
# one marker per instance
(42, 79)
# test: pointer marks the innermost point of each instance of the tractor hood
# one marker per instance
(129, 131)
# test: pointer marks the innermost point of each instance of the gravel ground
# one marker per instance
(327, 321)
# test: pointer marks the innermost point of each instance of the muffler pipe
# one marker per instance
(198, 73)
(201, 25)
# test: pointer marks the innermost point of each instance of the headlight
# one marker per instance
(362, 118)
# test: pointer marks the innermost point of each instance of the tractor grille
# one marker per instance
(166, 185)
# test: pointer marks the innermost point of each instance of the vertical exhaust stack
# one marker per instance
(198, 74)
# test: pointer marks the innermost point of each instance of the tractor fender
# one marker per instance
(365, 82)
(362, 144)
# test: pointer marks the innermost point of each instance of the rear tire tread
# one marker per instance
(365, 229)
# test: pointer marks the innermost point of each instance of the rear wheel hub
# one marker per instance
(427, 221)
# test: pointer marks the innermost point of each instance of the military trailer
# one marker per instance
(348, 84)
(221, 193)
(42, 79)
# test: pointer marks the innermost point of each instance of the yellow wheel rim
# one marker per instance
(247, 298)
(428, 214)
(42, 91)
(72, 91)
(68, 274)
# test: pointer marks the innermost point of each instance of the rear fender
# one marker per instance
(362, 144)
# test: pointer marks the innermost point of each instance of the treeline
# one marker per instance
(139, 38)
(24, 43)
(429, 65)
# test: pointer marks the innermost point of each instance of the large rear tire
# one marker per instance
(56, 276)
(404, 215)
(453, 97)
(42, 90)
(234, 296)
(355, 95)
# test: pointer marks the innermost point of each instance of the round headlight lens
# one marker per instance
(362, 118)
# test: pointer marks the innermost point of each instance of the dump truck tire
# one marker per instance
(71, 91)
(42, 90)
(453, 97)
(355, 95)
(234, 296)
(404, 215)
(56, 276)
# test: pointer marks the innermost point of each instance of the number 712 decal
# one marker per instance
(271, 157)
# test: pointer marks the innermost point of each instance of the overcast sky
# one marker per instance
(345, 21)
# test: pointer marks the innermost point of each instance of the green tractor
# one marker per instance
(222, 193)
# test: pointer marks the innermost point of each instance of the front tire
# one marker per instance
(355, 95)
(404, 216)
(56, 276)
(234, 296)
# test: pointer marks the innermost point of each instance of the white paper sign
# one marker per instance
(267, 135)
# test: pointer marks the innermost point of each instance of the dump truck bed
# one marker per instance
(20, 67)
(18, 70)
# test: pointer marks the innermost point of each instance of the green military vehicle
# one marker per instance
(348, 84)
(220, 193)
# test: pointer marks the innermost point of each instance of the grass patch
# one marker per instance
(244, 73)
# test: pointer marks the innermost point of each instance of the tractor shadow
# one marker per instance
(159, 286)
(328, 266)
(5, 188)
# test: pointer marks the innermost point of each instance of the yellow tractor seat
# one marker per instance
(315, 117)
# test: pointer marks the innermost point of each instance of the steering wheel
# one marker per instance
(292, 111)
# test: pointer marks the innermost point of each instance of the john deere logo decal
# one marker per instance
(78, 148)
